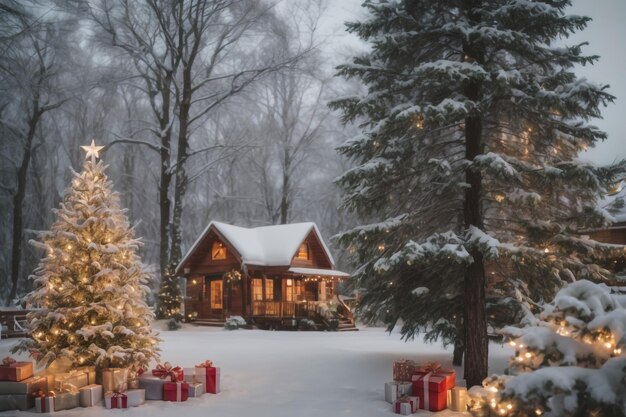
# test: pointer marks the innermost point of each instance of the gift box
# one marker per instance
(136, 397)
(16, 402)
(169, 372)
(431, 390)
(114, 379)
(403, 370)
(25, 387)
(405, 406)
(196, 389)
(175, 391)
(90, 395)
(115, 400)
(459, 399)
(397, 389)
(209, 376)
(66, 400)
(74, 378)
(11, 370)
(153, 385)
(91, 373)
(436, 369)
(44, 403)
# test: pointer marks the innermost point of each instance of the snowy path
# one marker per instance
(280, 374)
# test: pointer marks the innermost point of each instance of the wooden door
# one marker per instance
(235, 300)
(216, 300)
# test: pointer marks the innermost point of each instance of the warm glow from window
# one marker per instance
(216, 294)
(257, 289)
(303, 252)
(269, 289)
(218, 251)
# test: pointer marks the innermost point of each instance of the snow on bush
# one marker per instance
(572, 361)
(234, 323)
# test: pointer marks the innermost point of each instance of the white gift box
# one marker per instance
(44, 404)
(396, 389)
(90, 395)
(136, 397)
(196, 389)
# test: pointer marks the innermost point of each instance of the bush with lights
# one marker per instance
(169, 300)
(91, 284)
(570, 362)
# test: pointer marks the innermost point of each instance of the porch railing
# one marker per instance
(283, 308)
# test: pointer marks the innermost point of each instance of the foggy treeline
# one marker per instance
(209, 110)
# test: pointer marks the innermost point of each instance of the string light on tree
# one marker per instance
(99, 263)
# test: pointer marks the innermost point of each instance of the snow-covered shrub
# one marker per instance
(307, 324)
(234, 323)
(173, 324)
(570, 361)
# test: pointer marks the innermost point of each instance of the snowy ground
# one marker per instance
(276, 374)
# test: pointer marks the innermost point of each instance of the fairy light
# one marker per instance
(538, 411)
(528, 355)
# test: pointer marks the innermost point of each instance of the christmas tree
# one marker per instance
(466, 172)
(570, 362)
(91, 284)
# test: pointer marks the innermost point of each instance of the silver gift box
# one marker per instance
(27, 386)
(91, 395)
(196, 389)
(395, 390)
(16, 402)
(153, 386)
(66, 401)
(136, 397)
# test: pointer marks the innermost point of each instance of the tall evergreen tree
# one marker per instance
(91, 284)
(465, 168)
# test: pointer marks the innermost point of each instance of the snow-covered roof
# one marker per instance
(320, 272)
(265, 246)
(615, 203)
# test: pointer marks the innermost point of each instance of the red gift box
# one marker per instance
(175, 391)
(436, 369)
(169, 373)
(118, 400)
(11, 370)
(209, 375)
(431, 391)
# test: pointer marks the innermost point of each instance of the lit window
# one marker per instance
(303, 252)
(216, 294)
(218, 251)
(269, 289)
(257, 289)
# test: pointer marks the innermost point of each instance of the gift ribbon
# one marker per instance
(429, 367)
(8, 361)
(117, 400)
(163, 371)
(205, 364)
(179, 391)
(426, 379)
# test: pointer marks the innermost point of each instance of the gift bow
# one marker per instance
(71, 388)
(165, 370)
(205, 364)
(42, 394)
(430, 367)
(8, 361)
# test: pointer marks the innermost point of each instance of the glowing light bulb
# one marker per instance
(609, 345)
(512, 343)
(617, 351)
(538, 411)
(528, 355)
(509, 406)
(546, 250)
(69, 247)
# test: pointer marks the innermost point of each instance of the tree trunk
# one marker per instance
(474, 317)
(457, 355)
(165, 203)
(18, 201)
(181, 175)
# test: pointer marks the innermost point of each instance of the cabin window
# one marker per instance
(321, 296)
(257, 289)
(269, 289)
(295, 290)
(218, 251)
(303, 252)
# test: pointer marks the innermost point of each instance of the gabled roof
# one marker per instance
(264, 246)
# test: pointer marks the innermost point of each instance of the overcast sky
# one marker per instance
(606, 35)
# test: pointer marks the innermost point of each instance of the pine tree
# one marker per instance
(465, 169)
(169, 299)
(570, 362)
(91, 284)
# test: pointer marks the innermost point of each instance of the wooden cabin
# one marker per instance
(272, 276)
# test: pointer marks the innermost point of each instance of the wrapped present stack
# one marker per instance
(18, 386)
(428, 387)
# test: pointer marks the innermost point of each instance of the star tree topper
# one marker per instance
(92, 151)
